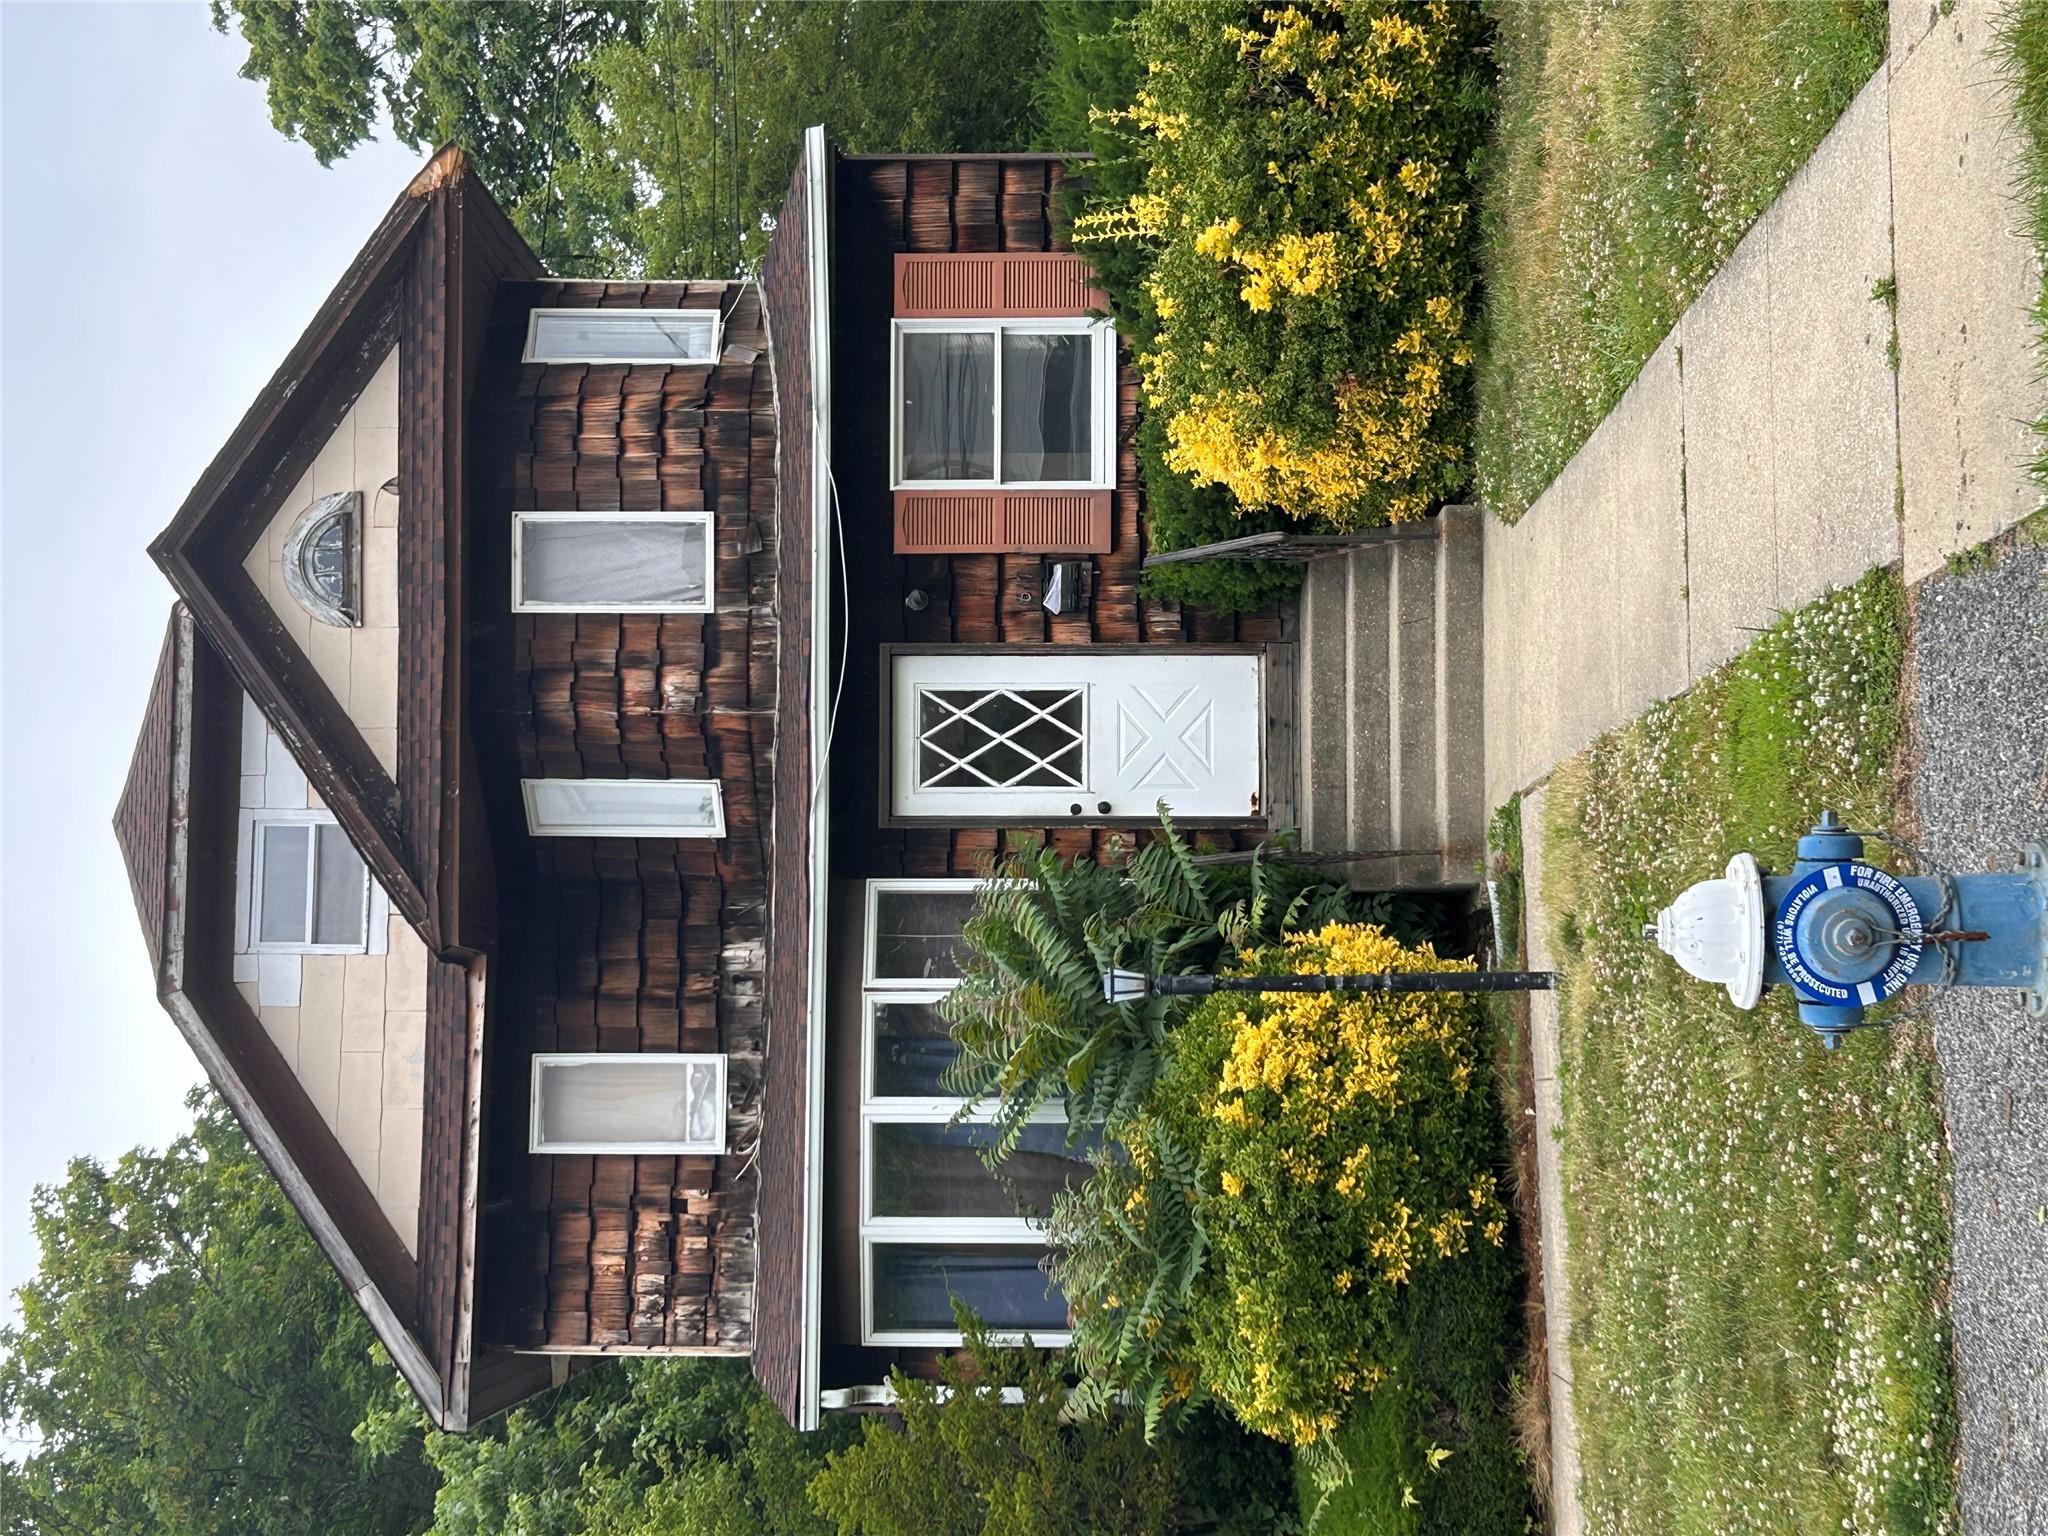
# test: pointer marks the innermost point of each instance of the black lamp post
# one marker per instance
(1133, 986)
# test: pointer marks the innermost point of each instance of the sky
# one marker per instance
(161, 248)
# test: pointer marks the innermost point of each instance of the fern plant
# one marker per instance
(1029, 1014)
(1129, 1251)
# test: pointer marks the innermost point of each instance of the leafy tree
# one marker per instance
(645, 1448)
(187, 1361)
(655, 136)
(507, 81)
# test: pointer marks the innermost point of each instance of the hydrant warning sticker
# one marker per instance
(1904, 938)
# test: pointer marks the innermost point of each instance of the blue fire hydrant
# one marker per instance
(1845, 935)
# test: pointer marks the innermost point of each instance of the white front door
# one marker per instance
(1051, 736)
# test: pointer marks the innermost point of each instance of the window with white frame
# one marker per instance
(624, 807)
(611, 562)
(651, 1103)
(935, 1224)
(623, 336)
(323, 560)
(309, 890)
(1004, 403)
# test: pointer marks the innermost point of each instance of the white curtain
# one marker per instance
(1047, 407)
(663, 807)
(629, 1101)
(949, 405)
(594, 562)
(625, 335)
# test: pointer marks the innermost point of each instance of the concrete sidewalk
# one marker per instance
(1768, 451)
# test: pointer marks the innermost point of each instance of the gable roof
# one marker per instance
(142, 825)
(423, 283)
(176, 811)
(788, 1275)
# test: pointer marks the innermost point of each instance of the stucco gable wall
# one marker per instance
(351, 1027)
(359, 666)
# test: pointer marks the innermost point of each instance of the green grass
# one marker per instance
(1504, 869)
(1758, 1228)
(1448, 1392)
(1635, 143)
(2023, 48)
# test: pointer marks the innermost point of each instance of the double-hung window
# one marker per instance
(1005, 403)
(935, 1223)
(310, 892)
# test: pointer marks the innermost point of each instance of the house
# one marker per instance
(585, 711)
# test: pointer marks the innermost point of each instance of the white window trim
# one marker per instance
(542, 1060)
(943, 1338)
(878, 1110)
(1011, 1228)
(711, 355)
(649, 789)
(249, 895)
(880, 993)
(1102, 443)
(522, 604)
(922, 986)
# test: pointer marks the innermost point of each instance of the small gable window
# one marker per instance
(312, 891)
(323, 560)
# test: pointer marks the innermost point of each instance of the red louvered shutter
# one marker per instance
(994, 522)
(1023, 285)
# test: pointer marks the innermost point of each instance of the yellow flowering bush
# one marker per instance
(1306, 195)
(1343, 1147)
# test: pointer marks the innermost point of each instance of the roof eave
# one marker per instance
(817, 164)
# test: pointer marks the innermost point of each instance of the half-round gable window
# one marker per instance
(323, 560)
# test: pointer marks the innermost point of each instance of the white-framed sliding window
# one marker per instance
(1026, 404)
(612, 562)
(620, 1102)
(935, 1223)
(624, 807)
(623, 336)
(308, 891)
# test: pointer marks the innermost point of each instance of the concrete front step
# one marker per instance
(1389, 709)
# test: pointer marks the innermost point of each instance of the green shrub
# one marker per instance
(964, 1462)
(1344, 1154)
(1182, 515)
(1305, 201)
(1092, 74)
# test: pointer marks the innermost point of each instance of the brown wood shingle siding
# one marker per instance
(616, 944)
